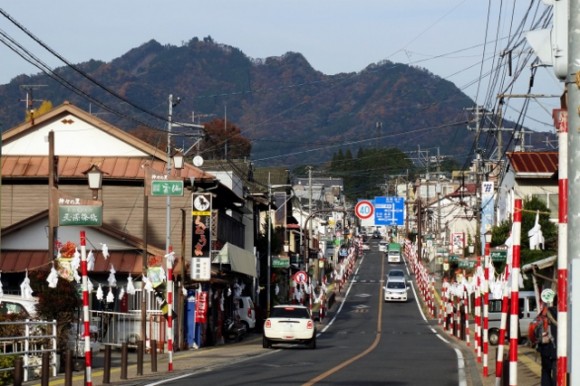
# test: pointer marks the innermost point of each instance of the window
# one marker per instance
(551, 202)
(9, 308)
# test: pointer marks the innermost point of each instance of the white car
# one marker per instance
(16, 304)
(246, 311)
(396, 290)
(289, 324)
(383, 246)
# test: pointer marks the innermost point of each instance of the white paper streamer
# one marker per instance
(52, 278)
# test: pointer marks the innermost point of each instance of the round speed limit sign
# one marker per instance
(364, 209)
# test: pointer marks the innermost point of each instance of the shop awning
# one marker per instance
(239, 259)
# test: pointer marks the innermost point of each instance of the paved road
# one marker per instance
(363, 345)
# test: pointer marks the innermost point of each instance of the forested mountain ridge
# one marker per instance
(292, 113)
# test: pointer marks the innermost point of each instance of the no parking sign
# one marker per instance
(300, 277)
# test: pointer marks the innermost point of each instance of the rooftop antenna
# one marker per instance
(30, 99)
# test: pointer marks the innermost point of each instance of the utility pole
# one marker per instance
(477, 209)
(172, 104)
(438, 188)
(407, 204)
(310, 211)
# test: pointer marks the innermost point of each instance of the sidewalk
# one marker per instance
(528, 365)
(183, 361)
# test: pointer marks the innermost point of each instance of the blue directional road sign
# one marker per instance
(389, 210)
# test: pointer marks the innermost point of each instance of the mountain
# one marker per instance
(292, 113)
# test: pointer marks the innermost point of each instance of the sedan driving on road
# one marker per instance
(289, 324)
(396, 290)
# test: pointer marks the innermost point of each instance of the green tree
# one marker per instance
(501, 232)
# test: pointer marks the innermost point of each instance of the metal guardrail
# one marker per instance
(38, 337)
(116, 328)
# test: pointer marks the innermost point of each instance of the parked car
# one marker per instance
(246, 311)
(396, 273)
(396, 290)
(528, 309)
(289, 324)
(16, 304)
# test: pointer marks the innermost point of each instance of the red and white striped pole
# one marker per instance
(170, 257)
(86, 315)
(486, 269)
(514, 298)
(562, 336)
(502, 329)
(466, 313)
(477, 313)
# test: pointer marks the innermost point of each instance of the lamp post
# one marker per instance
(95, 178)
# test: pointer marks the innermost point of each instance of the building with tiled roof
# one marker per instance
(529, 174)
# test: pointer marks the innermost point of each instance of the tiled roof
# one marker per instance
(21, 261)
(74, 167)
(123, 261)
(530, 163)
(464, 190)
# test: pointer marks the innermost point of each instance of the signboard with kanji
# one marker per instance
(498, 255)
(389, 210)
(280, 262)
(200, 268)
(74, 211)
(201, 224)
(201, 307)
(167, 188)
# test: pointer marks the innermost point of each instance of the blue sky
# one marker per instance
(444, 36)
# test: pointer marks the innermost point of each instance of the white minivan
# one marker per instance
(528, 309)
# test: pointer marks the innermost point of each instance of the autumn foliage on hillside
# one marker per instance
(224, 140)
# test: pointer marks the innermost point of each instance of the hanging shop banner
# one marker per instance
(487, 210)
(201, 224)
(201, 307)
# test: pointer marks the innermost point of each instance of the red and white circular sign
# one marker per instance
(300, 277)
(364, 209)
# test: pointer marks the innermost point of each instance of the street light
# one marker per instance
(488, 236)
(95, 177)
(178, 160)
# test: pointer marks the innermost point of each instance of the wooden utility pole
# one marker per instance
(52, 196)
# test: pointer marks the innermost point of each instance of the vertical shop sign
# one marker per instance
(201, 307)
